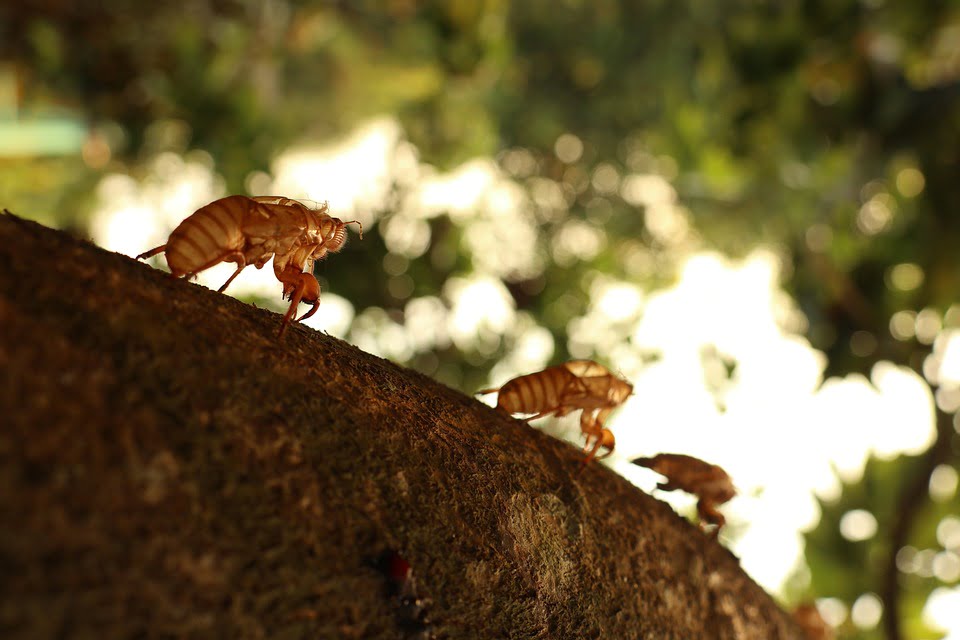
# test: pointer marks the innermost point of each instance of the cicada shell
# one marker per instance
(564, 388)
(249, 231)
(708, 482)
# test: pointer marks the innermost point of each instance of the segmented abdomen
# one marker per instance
(208, 235)
(535, 392)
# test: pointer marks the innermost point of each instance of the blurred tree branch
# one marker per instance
(909, 504)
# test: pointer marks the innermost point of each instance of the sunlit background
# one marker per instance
(764, 246)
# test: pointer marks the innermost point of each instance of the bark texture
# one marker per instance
(169, 469)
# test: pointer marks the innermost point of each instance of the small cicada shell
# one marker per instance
(567, 387)
(708, 482)
(249, 231)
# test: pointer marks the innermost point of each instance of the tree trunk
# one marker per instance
(169, 468)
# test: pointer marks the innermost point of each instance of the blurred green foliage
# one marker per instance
(829, 130)
(847, 569)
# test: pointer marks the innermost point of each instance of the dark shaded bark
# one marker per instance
(169, 468)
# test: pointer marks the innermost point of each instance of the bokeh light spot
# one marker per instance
(907, 559)
(948, 532)
(928, 325)
(876, 214)
(606, 179)
(833, 611)
(866, 611)
(943, 483)
(858, 525)
(906, 276)
(862, 344)
(818, 237)
(568, 148)
(946, 566)
(902, 325)
(910, 182)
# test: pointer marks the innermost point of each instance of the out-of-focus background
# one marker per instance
(751, 210)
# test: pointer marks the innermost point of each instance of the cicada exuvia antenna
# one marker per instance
(622, 376)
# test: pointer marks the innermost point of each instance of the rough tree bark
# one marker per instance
(168, 468)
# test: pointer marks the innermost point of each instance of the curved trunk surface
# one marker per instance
(169, 468)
